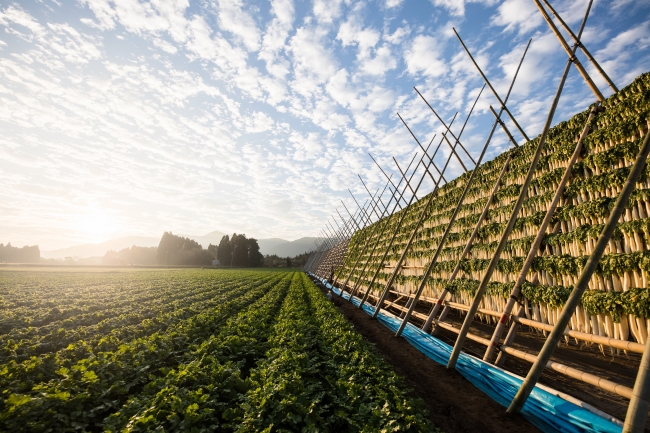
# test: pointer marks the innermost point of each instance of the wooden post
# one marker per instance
(503, 126)
(583, 281)
(468, 246)
(374, 230)
(511, 223)
(396, 231)
(385, 292)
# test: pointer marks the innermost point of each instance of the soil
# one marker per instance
(454, 404)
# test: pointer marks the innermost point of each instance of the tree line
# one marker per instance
(11, 254)
(237, 250)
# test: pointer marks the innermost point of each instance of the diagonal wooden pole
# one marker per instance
(504, 127)
(399, 263)
(584, 49)
(372, 234)
(456, 139)
(494, 92)
(541, 233)
(469, 318)
(571, 52)
(443, 239)
(421, 147)
(384, 173)
(396, 230)
(583, 283)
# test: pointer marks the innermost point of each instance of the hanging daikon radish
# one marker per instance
(624, 329)
(636, 278)
(609, 324)
(643, 330)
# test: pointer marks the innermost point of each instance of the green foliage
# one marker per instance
(131, 256)
(191, 350)
(239, 251)
(26, 254)
(177, 250)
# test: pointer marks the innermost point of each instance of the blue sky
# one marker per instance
(132, 117)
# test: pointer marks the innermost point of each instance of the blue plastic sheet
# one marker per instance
(546, 411)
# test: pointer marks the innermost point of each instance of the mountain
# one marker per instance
(290, 249)
(211, 238)
(98, 250)
(267, 245)
(281, 247)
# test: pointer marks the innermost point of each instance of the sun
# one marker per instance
(96, 224)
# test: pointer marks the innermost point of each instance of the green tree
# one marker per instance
(177, 250)
(223, 251)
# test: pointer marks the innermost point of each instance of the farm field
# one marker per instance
(188, 350)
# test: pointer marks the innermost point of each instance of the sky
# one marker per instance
(135, 117)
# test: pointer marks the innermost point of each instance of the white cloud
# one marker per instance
(165, 46)
(275, 37)
(517, 15)
(425, 57)
(234, 20)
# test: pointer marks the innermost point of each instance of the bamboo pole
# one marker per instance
(398, 265)
(586, 52)
(363, 272)
(457, 140)
(374, 230)
(504, 127)
(583, 281)
(541, 232)
(375, 227)
(397, 228)
(511, 223)
(425, 152)
(503, 105)
(389, 177)
(574, 373)
(571, 52)
(591, 338)
(637, 411)
(468, 246)
(427, 273)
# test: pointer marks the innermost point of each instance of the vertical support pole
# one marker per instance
(583, 281)
(637, 411)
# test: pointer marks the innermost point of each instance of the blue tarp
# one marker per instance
(548, 412)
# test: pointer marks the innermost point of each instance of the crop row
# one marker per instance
(272, 354)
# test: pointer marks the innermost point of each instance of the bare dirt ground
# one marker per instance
(454, 404)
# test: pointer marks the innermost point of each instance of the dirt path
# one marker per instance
(454, 404)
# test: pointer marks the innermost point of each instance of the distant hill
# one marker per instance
(211, 238)
(281, 247)
(267, 245)
(291, 249)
